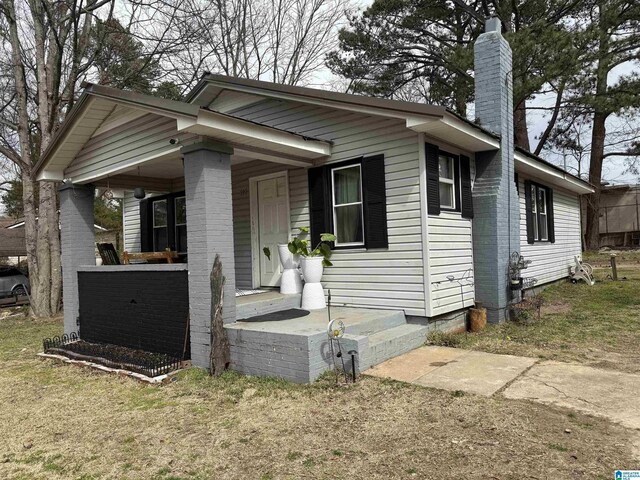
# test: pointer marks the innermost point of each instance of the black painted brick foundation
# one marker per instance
(147, 310)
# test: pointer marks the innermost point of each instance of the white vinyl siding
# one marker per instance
(551, 261)
(388, 278)
(131, 222)
(144, 138)
(450, 247)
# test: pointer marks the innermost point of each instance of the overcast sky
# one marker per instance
(614, 168)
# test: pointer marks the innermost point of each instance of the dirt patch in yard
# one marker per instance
(62, 421)
(555, 308)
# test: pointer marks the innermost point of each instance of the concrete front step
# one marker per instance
(362, 322)
(299, 349)
(263, 303)
(390, 343)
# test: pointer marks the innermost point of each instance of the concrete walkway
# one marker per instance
(454, 369)
(604, 393)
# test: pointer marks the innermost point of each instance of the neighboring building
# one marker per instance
(12, 244)
(13, 248)
(427, 207)
(619, 216)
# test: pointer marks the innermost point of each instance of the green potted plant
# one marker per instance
(312, 263)
(290, 281)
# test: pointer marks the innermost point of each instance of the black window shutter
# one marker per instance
(375, 202)
(551, 227)
(319, 203)
(515, 179)
(433, 179)
(528, 208)
(465, 183)
(145, 226)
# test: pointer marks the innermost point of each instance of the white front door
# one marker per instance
(273, 226)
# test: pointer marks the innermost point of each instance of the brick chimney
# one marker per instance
(496, 225)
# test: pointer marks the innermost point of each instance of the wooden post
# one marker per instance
(219, 357)
(614, 267)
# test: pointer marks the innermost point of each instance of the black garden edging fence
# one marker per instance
(113, 356)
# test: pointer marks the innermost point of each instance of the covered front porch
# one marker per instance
(122, 141)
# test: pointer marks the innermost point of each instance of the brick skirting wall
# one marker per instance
(145, 309)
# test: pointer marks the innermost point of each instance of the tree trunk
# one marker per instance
(592, 234)
(56, 252)
(41, 291)
(219, 356)
(521, 130)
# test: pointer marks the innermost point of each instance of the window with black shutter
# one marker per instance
(163, 223)
(348, 199)
(448, 182)
(539, 211)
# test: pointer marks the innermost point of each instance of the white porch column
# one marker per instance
(78, 242)
(207, 178)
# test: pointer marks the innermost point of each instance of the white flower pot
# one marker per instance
(290, 282)
(312, 293)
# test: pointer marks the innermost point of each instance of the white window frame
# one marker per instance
(449, 181)
(153, 216)
(333, 206)
(540, 215)
(534, 210)
(543, 216)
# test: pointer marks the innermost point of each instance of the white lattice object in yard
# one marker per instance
(582, 271)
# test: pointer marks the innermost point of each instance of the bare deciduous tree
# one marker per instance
(46, 50)
(283, 41)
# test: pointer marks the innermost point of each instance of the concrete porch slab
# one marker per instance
(604, 393)
(454, 369)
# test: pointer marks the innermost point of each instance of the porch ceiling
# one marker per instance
(81, 150)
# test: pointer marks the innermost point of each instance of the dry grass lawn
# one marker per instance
(67, 422)
(595, 325)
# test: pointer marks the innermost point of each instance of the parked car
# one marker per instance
(13, 283)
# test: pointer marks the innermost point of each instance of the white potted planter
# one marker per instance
(312, 293)
(290, 282)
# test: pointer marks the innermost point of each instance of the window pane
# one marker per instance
(346, 185)
(349, 224)
(181, 211)
(160, 213)
(159, 239)
(542, 201)
(446, 195)
(181, 238)
(533, 199)
(446, 168)
(543, 227)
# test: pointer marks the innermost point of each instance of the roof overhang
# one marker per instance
(453, 130)
(537, 167)
(98, 102)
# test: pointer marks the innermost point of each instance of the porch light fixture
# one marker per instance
(139, 192)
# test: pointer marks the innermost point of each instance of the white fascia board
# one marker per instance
(533, 167)
(451, 124)
(51, 174)
(219, 125)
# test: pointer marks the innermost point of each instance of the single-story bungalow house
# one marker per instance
(440, 206)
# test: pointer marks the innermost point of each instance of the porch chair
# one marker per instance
(108, 254)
